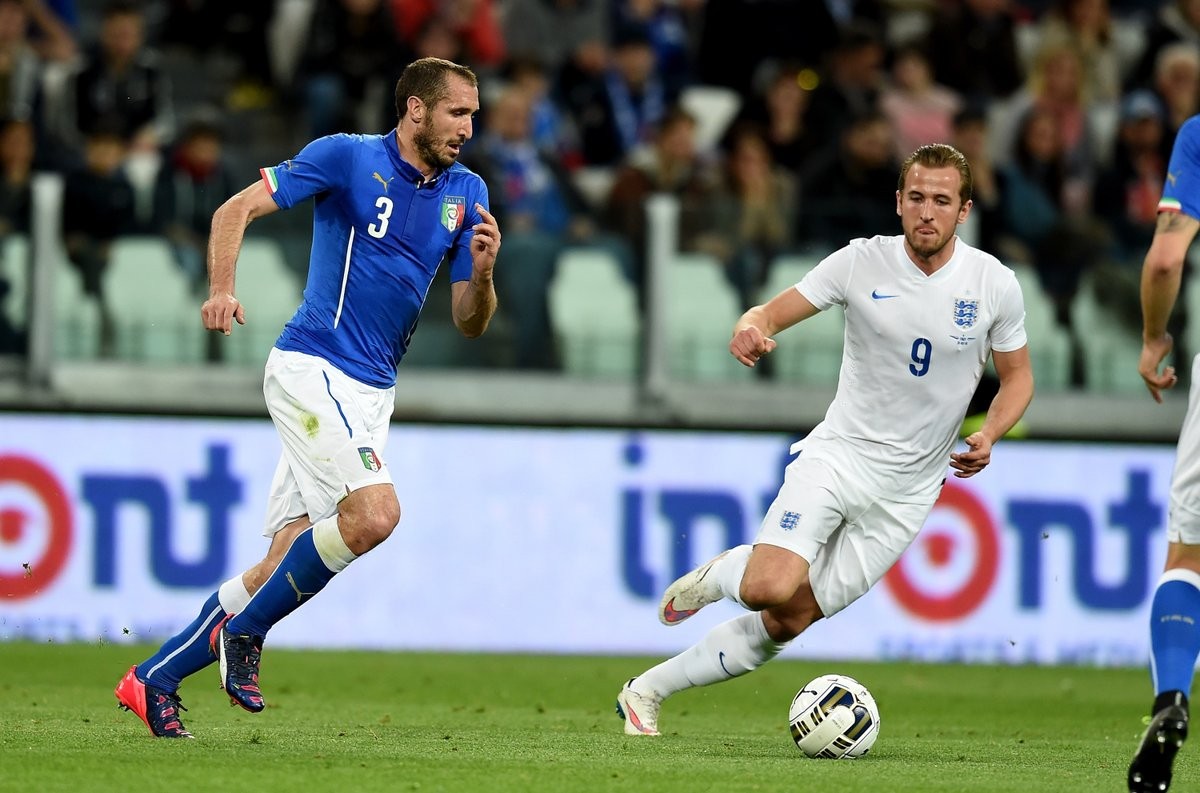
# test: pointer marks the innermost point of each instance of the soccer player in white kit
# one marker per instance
(923, 312)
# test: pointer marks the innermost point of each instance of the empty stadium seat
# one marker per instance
(701, 308)
(157, 315)
(594, 312)
(1110, 349)
(270, 291)
(810, 352)
(714, 107)
(1049, 342)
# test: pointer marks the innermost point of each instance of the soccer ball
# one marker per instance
(835, 717)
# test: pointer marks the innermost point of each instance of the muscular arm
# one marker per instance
(753, 331)
(474, 304)
(1162, 271)
(225, 241)
(1015, 393)
(474, 300)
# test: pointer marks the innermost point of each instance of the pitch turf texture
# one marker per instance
(425, 722)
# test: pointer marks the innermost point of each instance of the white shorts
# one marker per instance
(849, 535)
(1183, 519)
(333, 430)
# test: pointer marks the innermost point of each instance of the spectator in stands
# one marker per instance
(121, 82)
(1177, 21)
(552, 129)
(835, 189)
(920, 110)
(1126, 201)
(349, 62)
(98, 206)
(16, 168)
(983, 226)
(673, 165)
(973, 49)
(1056, 86)
(1127, 192)
(780, 106)
(754, 212)
(472, 23)
(20, 65)
(192, 183)
(555, 30)
(851, 82)
(619, 110)
(569, 37)
(669, 25)
(1088, 26)
(17, 151)
(1177, 84)
(543, 215)
(1044, 224)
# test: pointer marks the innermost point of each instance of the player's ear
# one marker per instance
(416, 109)
(898, 204)
(965, 210)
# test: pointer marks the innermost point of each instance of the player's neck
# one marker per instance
(935, 261)
(408, 153)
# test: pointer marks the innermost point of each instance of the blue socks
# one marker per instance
(300, 575)
(185, 652)
(1175, 631)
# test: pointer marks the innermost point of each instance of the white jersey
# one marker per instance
(915, 349)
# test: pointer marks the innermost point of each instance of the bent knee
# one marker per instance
(364, 529)
(763, 594)
(784, 624)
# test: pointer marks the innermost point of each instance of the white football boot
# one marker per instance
(690, 593)
(639, 711)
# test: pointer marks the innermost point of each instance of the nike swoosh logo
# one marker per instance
(671, 615)
(721, 660)
(875, 294)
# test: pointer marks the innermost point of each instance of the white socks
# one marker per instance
(729, 650)
(729, 570)
(332, 549)
(233, 595)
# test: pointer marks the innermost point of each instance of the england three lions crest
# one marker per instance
(454, 209)
(966, 312)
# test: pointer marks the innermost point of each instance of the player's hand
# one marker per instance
(219, 312)
(975, 459)
(1154, 352)
(749, 344)
(486, 241)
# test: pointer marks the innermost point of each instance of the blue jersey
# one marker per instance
(379, 235)
(1181, 192)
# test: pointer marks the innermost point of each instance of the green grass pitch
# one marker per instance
(358, 721)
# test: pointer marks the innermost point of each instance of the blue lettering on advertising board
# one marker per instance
(217, 491)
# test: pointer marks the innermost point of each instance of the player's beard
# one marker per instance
(430, 148)
(925, 247)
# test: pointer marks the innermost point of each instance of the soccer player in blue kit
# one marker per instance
(388, 210)
(1175, 610)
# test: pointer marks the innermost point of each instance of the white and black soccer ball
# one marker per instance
(835, 717)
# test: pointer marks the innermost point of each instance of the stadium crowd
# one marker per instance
(154, 111)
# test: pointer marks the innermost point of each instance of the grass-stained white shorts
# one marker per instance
(333, 430)
(849, 534)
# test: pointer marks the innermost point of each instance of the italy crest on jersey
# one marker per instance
(966, 312)
(454, 208)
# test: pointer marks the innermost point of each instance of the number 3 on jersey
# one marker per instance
(922, 349)
(377, 230)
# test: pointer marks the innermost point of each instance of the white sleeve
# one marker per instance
(825, 285)
(1008, 331)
